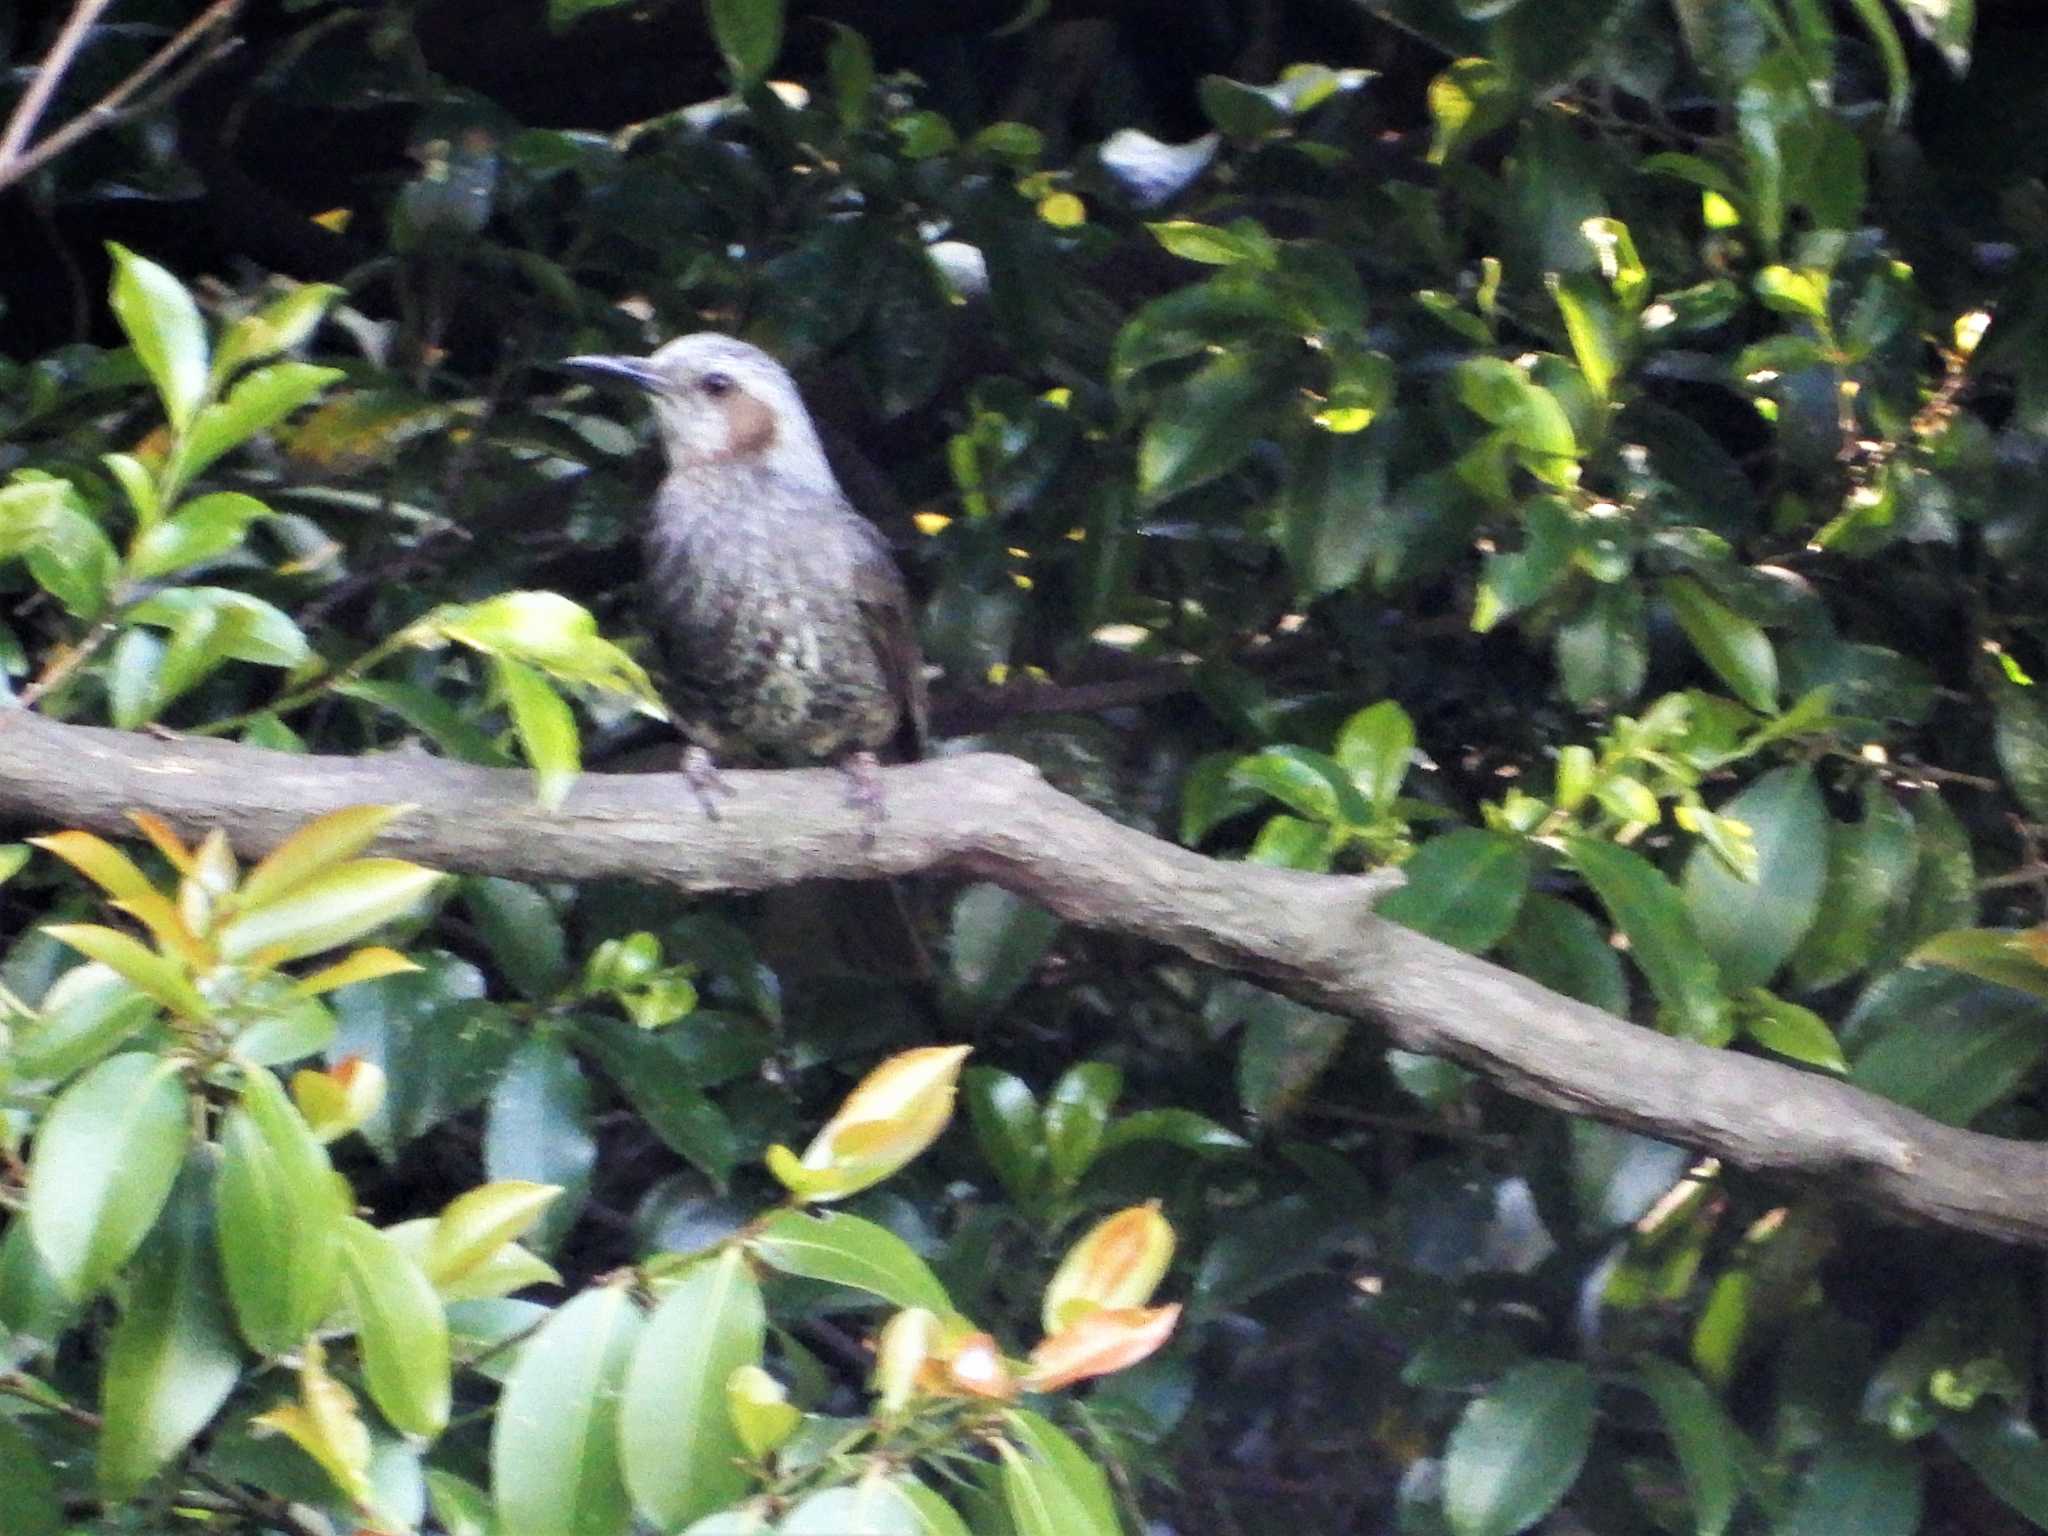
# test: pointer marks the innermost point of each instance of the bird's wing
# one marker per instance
(885, 615)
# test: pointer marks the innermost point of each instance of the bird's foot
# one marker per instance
(863, 773)
(705, 781)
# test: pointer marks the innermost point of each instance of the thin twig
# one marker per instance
(22, 160)
(56, 64)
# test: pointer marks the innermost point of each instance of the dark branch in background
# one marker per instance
(1313, 937)
(18, 159)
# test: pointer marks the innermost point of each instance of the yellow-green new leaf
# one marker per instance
(144, 969)
(366, 964)
(545, 727)
(334, 908)
(171, 1360)
(555, 1440)
(103, 1163)
(317, 847)
(163, 325)
(677, 1441)
(401, 1329)
(478, 1223)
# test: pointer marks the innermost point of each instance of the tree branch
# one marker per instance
(1313, 937)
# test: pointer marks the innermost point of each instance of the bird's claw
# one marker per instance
(705, 781)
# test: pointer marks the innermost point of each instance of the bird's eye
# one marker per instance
(717, 385)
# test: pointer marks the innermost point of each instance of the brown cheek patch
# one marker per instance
(749, 426)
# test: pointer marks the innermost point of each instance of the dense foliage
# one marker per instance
(1591, 452)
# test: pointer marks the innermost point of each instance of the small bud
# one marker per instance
(1105, 1340)
(1117, 1265)
(761, 1411)
(340, 1099)
(894, 1113)
(905, 1347)
(973, 1367)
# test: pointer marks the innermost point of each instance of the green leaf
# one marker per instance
(1516, 1451)
(329, 910)
(1468, 101)
(86, 1015)
(1076, 1116)
(845, 1250)
(555, 1437)
(1286, 1047)
(285, 322)
(1531, 417)
(1870, 873)
(1945, 1044)
(1859, 1483)
(1797, 1033)
(317, 847)
(1751, 927)
(279, 1218)
(1898, 78)
(1601, 337)
(540, 629)
(677, 1443)
(1308, 783)
(2020, 737)
(675, 1109)
(1557, 944)
(1739, 651)
(1243, 243)
(1005, 1117)
(1332, 509)
(997, 939)
(2008, 1455)
(1376, 747)
(1463, 889)
(1203, 428)
(258, 402)
(1794, 291)
(163, 325)
(2009, 958)
(102, 1164)
(851, 65)
(870, 1507)
(1181, 1128)
(538, 1128)
(171, 1360)
(1050, 1485)
(1603, 653)
(1708, 1445)
(525, 936)
(253, 630)
(29, 1501)
(545, 727)
(749, 35)
(402, 1331)
(1649, 909)
(202, 530)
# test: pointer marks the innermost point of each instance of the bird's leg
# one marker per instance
(704, 779)
(863, 773)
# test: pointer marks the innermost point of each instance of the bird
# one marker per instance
(786, 631)
(783, 621)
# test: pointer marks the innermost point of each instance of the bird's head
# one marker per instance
(718, 400)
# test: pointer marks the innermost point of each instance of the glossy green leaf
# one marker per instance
(1287, 1046)
(1797, 1033)
(1463, 888)
(259, 400)
(845, 1250)
(1469, 100)
(1243, 243)
(330, 909)
(250, 629)
(525, 936)
(1204, 427)
(1870, 872)
(1516, 1451)
(1050, 1486)
(1709, 1446)
(284, 323)
(677, 1443)
(1376, 747)
(538, 1128)
(171, 1360)
(401, 1329)
(2012, 959)
(1662, 940)
(163, 325)
(1739, 651)
(2007, 1454)
(1603, 652)
(996, 942)
(1076, 1116)
(546, 729)
(1308, 783)
(555, 1437)
(90, 1013)
(102, 1164)
(1943, 1043)
(202, 530)
(280, 1217)
(1008, 1128)
(1750, 928)
(871, 1507)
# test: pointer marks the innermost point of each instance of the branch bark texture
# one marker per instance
(1313, 937)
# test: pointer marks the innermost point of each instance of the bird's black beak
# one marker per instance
(636, 371)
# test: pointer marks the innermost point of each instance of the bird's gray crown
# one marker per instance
(720, 400)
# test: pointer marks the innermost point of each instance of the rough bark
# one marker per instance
(1313, 937)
